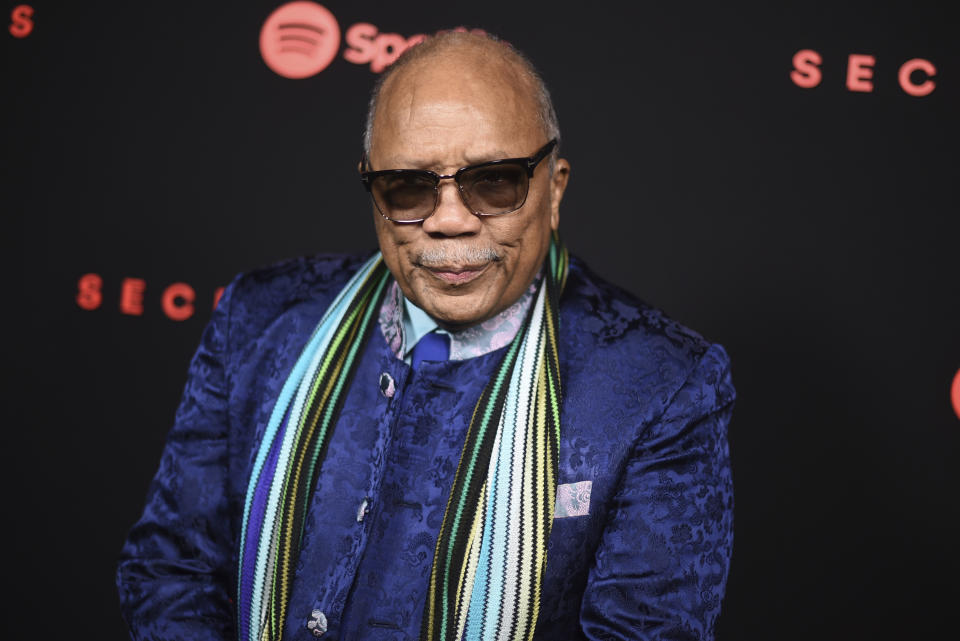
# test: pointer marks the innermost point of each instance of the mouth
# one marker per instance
(457, 274)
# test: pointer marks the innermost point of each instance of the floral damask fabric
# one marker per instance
(641, 550)
(573, 499)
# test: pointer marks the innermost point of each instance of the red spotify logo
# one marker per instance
(299, 39)
(955, 393)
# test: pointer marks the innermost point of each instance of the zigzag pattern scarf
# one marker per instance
(491, 552)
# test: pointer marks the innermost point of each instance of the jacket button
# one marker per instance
(363, 509)
(318, 623)
(387, 386)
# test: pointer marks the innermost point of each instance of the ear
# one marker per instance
(558, 185)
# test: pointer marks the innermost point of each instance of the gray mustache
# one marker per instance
(459, 255)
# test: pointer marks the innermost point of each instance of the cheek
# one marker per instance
(524, 234)
(392, 255)
(515, 230)
(391, 238)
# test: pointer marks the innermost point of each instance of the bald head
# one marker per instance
(482, 66)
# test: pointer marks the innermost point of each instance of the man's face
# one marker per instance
(460, 268)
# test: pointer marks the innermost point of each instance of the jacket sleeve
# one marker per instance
(174, 575)
(662, 563)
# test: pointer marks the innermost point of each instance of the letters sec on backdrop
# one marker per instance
(955, 393)
(300, 39)
(177, 300)
(915, 76)
(21, 21)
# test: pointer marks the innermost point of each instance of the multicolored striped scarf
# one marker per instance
(491, 552)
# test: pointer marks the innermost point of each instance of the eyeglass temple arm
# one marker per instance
(534, 160)
(364, 178)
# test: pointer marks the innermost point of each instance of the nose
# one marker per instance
(451, 217)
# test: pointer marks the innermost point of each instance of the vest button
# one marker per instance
(318, 623)
(363, 509)
(387, 387)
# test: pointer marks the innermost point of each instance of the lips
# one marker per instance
(457, 274)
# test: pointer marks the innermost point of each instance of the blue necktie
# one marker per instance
(431, 347)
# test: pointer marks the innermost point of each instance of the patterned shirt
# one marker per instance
(403, 324)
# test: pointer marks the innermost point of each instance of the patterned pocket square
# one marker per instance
(573, 499)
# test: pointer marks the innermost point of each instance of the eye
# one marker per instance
(404, 180)
(403, 192)
(495, 177)
(492, 177)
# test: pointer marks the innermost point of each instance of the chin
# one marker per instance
(460, 317)
(457, 311)
(459, 306)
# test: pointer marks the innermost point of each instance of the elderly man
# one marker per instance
(464, 436)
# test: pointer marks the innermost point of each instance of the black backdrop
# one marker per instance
(812, 231)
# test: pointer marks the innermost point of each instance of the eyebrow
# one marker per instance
(497, 154)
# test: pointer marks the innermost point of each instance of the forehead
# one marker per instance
(460, 108)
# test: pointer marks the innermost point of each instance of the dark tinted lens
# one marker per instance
(404, 195)
(495, 189)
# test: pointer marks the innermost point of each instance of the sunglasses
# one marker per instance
(490, 188)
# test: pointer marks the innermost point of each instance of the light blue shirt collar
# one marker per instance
(416, 324)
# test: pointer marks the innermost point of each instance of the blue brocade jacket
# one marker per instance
(640, 547)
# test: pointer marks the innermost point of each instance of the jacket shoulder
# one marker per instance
(610, 315)
(258, 297)
(610, 334)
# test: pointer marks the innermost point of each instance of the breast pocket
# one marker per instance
(573, 499)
